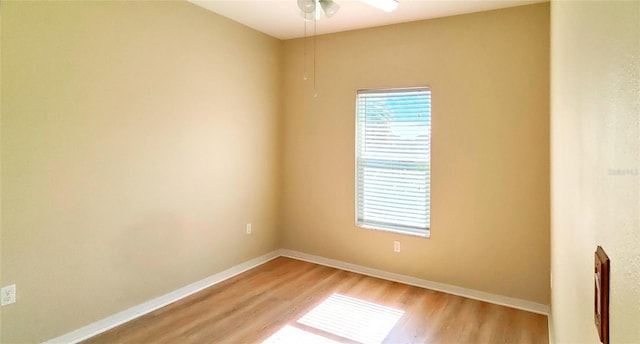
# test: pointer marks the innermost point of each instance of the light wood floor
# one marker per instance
(252, 306)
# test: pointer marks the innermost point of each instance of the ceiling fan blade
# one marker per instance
(329, 7)
(307, 6)
(385, 5)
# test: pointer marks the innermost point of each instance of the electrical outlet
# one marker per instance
(396, 246)
(248, 228)
(8, 295)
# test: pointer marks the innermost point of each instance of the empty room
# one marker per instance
(320, 171)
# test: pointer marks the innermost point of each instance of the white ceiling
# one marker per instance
(281, 18)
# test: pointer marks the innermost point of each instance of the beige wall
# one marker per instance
(489, 75)
(137, 140)
(595, 140)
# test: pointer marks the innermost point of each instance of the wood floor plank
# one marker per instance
(254, 305)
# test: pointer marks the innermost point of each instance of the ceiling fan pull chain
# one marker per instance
(305, 76)
(315, 33)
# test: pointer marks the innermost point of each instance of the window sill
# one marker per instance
(425, 235)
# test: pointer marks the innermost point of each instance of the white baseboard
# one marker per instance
(552, 337)
(446, 288)
(161, 301)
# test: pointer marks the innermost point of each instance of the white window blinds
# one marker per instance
(393, 159)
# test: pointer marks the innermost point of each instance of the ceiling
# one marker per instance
(281, 18)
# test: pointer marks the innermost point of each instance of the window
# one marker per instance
(393, 159)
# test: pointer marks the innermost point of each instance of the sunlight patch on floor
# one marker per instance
(343, 316)
(293, 335)
(354, 319)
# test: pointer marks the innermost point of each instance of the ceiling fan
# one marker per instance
(311, 8)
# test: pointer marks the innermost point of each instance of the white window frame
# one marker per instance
(381, 165)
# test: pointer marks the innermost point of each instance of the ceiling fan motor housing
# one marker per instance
(310, 12)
